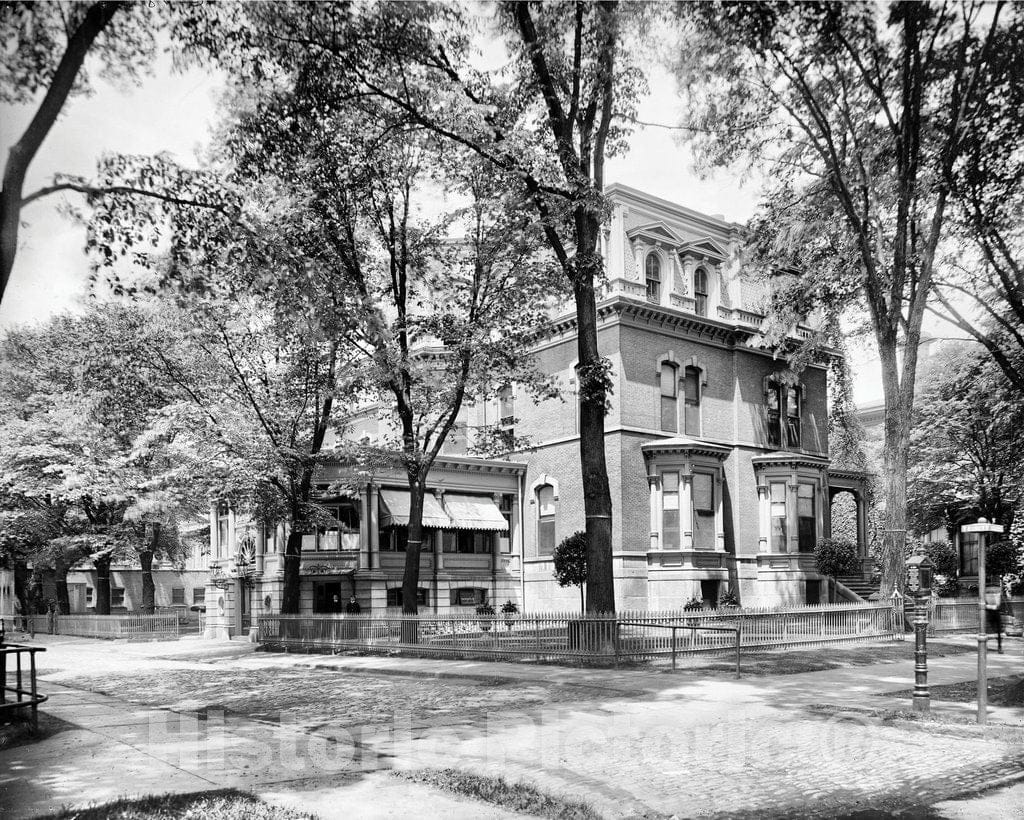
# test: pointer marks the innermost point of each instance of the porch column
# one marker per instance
(364, 528)
(214, 545)
(231, 545)
(373, 559)
(719, 522)
(862, 524)
(261, 547)
(763, 518)
(686, 509)
(652, 483)
(439, 547)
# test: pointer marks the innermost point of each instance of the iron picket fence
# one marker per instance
(148, 627)
(561, 636)
(946, 615)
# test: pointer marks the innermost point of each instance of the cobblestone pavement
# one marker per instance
(630, 744)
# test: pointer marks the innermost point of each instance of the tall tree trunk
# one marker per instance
(60, 582)
(291, 598)
(102, 585)
(597, 498)
(414, 545)
(146, 562)
(24, 150)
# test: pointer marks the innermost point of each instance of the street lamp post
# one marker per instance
(919, 584)
(983, 528)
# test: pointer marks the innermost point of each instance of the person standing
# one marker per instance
(993, 614)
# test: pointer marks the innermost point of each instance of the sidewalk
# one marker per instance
(630, 742)
(127, 751)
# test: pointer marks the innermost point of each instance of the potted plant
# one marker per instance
(729, 599)
(485, 612)
(509, 609)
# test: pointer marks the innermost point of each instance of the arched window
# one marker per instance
(792, 417)
(783, 405)
(691, 401)
(669, 398)
(700, 291)
(545, 519)
(652, 272)
(773, 404)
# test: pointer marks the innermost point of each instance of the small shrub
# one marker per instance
(570, 559)
(485, 609)
(943, 555)
(510, 608)
(1001, 558)
(836, 557)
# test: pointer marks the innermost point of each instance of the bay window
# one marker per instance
(777, 510)
(670, 510)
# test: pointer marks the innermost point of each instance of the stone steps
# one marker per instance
(865, 589)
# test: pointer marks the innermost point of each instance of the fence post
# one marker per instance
(739, 629)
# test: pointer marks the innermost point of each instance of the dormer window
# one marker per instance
(700, 291)
(652, 272)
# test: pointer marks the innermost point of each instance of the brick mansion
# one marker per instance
(718, 461)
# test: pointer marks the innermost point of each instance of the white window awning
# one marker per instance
(397, 504)
(474, 512)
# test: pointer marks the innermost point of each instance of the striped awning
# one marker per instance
(474, 512)
(396, 509)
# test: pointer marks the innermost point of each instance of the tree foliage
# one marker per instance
(545, 123)
(967, 442)
(74, 404)
(859, 114)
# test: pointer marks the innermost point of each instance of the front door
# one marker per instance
(709, 594)
(327, 597)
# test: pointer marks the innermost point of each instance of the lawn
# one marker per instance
(1002, 691)
(225, 804)
(517, 796)
(795, 661)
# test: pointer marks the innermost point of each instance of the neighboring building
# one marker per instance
(717, 459)
(177, 587)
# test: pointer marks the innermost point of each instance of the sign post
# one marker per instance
(983, 528)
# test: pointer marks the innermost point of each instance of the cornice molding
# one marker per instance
(681, 446)
(787, 459)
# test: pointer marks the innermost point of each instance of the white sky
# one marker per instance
(174, 113)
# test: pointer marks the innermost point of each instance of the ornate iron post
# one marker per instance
(919, 584)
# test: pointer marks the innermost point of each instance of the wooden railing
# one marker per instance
(24, 698)
(110, 626)
(574, 637)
